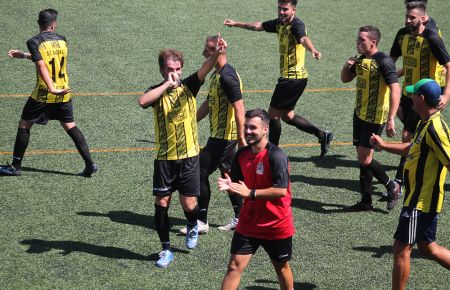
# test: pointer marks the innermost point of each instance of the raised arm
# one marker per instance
(211, 61)
(151, 96)
(254, 26)
(42, 70)
(347, 74)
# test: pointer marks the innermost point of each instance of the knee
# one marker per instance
(189, 203)
(428, 250)
(365, 161)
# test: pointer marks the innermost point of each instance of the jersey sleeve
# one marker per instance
(34, 50)
(236, 172)
(437, 47)
(279, 167)
(270, 26)
(396, 50)
(298, 29)
(387, 70)
(438, 141)
(232, 87)
(193, 83)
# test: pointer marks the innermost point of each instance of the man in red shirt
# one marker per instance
(260, 174)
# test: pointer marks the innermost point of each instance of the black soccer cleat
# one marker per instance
(89, 170)
(394, 195)
(325, 142)
(9, 170)
(358, 207)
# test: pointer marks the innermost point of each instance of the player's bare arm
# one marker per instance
(307, 43)
(395, 92)
(346, 74)
(151, 96)
(445, 97)
(15, 53)
(42, 70)
(203, 110)
(396, 148)
(254, 26)
(239, 116)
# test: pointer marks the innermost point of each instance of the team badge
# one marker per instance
(260, 168)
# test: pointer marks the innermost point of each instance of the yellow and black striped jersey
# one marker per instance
(292, 53)
(225, 88)
(425, 167)
(52, 48)
(175, 120)
(423, 55)
(373, 75)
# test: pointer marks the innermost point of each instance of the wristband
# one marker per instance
(253, 194)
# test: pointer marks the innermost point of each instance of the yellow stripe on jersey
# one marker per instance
(372, 93)
(292, 54)
(221, 112)
(425, 167)
(54, 54)
(419, 61)
(176, 125)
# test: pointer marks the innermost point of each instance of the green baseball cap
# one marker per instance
(428, 88)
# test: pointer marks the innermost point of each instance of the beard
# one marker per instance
(413, 28)
(253, 141)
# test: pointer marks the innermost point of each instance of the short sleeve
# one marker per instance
(270, 26)
(235, 172)
(231, 86)
(396, 50)
(439, 142)
(298, 29)
(34, 50)
(279, 167)
(387, 69)
(437, 47)
(193, 83)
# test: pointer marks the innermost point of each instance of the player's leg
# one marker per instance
(21, 144)
(280, 252)
(274, 125)
(189, 189)
(427, 243)
(401, 268)
(64, 113)
(242, 250)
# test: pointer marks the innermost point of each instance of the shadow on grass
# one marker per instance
(30, 169)
(145, 141)
(37, 246)
(297, 285)
(324, 208)
(333, 161)
(379, 252)
(135, 219)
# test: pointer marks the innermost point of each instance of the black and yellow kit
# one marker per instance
(373, 75)
(423, 55)
(225, 88)
(292, 53)
(425, 167)
(53, 50)
(175, 120)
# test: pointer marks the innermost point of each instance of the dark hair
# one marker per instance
(419, 5)
(260, 113)
(373, 32)
(292, 2)
(423, 2)
(170, 53)
(47, 17)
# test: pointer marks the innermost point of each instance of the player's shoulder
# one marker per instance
(382, 57)
(152, 87)
(274, 151)
(403, 31)
(228, 71)
(297, 21)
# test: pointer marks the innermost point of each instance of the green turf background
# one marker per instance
(61, 231)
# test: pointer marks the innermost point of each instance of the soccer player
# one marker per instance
(424, 56)
(51, 98)
(428, 158)
(377, 99)
(176, 166)
(293, 41)
(260, 174)
(225, 107)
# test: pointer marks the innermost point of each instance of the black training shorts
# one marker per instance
(182, 175)
(278, 250)
(362, 131)
(287, 92)
(40, 113)
(217, 153)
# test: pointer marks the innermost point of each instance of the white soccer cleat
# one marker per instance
(202, 228)
(229, 226)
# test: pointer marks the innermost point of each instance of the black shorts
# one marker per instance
(182, 175)
(278, 250)
(287, 92)
(40, 113)
(362, 131)
(410, 117)
(415, 226)
(217, 153)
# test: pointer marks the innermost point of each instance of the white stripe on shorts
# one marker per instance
(412, 227)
